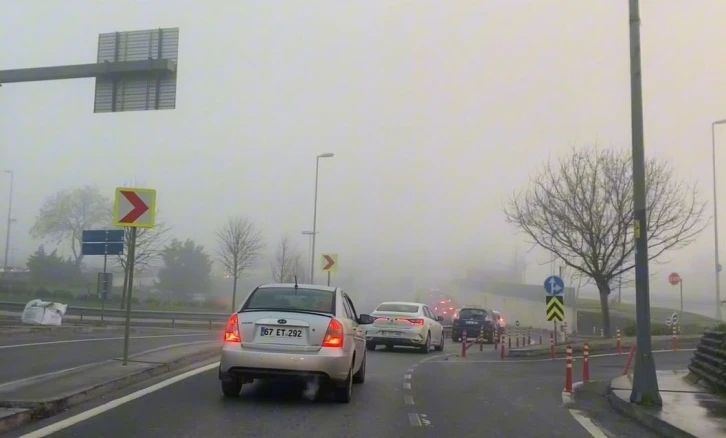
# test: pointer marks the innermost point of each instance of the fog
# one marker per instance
(435, 111)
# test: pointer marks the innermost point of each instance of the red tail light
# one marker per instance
(414, 321)
(334, 336)
(231, 332)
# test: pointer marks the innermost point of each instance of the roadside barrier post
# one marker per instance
(619, 343)
(540, 336)
(552, 345)
(568, 370)
(602, 333)
(497, 337)
(481, 339)
(517, 335)
(529, 335)
(463, 344)
(501, 353)
(674, 338)
(630, 359)
(586, 363)
(509, 337)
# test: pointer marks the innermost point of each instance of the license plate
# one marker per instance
(472, 322)
(393, 333)
(275, 332)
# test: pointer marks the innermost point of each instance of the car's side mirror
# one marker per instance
(439, 318)
(365, 319)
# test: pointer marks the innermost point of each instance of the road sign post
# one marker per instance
(675, 279)
(133, 208)
(105, 243)
(554, 286)
(329, 264)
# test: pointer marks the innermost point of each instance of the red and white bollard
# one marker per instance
(586, 363)
(501, 353)
(630, 359)
(619, 343)
(674, 338)
(568, 370)
(552, 345)
(564, 329)
(463, 344)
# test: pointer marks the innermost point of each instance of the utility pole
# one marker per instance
(9, 223)
(645, 382)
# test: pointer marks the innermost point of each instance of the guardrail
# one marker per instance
(161, 315)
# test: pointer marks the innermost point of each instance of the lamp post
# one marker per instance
(9, 223)
(310, 243)
(717, 265)
(315, 214)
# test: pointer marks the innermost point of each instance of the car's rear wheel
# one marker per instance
(344, 393)
(360, 376)
(440, 347)
(370, 346)
(426, 348)
(231, 386)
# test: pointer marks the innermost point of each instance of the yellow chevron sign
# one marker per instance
(555, 308)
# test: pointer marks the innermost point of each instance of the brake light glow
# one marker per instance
(334, 336)
(413, 321)
(231, 332)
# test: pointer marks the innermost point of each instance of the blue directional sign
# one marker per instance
(102, 242)
(554, 286)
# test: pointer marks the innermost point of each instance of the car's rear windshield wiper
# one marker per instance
(275, 309)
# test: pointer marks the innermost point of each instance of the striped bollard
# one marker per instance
(568, 370)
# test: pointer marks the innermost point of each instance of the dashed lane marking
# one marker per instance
(408, 399)
(407, 377)
(414, 419)
(406, 385)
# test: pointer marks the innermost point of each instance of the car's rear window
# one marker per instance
(290, 298)
(405, 308)
(472, 314)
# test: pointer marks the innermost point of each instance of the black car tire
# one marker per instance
(344, 393)
(440, 347)
(370, 346)
(360, 376)
(426, 348)
(231, 387)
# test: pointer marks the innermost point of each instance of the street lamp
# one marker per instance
(717, 266)
(10, 221)
(315, 214)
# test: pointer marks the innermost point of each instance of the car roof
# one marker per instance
(299, 285)
(402, 302)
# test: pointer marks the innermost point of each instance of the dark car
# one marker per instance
(473, 320)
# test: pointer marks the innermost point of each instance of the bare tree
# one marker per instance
(288, 262)
(581, 209)
(149, 244)
(240, 245)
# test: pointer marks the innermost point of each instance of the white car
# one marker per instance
(398, 323)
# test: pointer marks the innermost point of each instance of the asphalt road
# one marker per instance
(28, 355)
(406, 394)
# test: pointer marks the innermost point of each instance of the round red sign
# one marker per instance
(674, 278)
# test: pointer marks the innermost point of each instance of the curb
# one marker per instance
(645, 416)
(568, 398)
(29, 411)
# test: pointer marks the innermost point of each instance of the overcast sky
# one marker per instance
(435, 110)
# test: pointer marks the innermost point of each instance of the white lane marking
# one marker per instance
(414, 419)
(406, 385)
(424, 420)
(589, 426)
(71, 341)
(40, 376)
(410, 370)
(68, 422)
(407, 377)
(408, 399)
(522, 360)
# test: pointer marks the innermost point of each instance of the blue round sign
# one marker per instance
(554, 286)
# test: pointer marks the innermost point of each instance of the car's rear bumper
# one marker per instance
(382, 336)
(395, 340)
(329, 363)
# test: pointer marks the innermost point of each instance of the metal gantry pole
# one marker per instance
(645, 383)
(315, 223)
(717, 265)
(9, 223)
